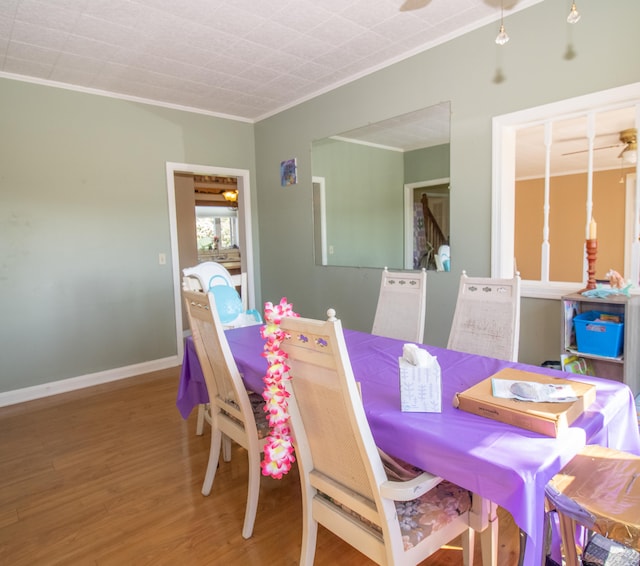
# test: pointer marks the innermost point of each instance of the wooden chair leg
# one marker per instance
(568, 534)
(226, 448)
(200, 421)
(212, 465)
(252, 494)
(468, 547)
(309, 540)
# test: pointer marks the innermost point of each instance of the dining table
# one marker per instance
(505, 464)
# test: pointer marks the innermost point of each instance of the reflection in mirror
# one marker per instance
(381, 193)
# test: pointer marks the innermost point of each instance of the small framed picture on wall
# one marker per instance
(288, 172)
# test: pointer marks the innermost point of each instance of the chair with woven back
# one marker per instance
(486, 320)
(345, 487)
(235, 414)
(401, 308)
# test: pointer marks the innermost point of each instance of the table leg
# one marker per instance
(489, 538)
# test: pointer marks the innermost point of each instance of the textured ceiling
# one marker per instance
(248, 59)
(423, 128)
(245, 59)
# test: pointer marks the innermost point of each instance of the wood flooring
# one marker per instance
(111, 475)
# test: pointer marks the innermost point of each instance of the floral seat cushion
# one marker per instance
(420, 517)
(259, 414)
(262, 421)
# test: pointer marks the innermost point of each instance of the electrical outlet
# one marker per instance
(330, 250)
(162, 259)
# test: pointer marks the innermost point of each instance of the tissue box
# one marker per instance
(420, 387)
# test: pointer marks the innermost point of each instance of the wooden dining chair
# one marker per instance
(235, 413)
(197, 278)
(486, 320)
(402, 303)
(598, 489)
(344, 484)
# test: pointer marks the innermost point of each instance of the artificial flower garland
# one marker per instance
(278, 450)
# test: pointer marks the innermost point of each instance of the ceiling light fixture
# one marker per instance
(231, 196)
(502, 36)
(630, 153)
(574, 16)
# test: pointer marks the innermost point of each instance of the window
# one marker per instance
(556, 168)
(216, 228)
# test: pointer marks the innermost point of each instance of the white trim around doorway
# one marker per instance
(246, 240)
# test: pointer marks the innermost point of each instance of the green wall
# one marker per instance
(83, 198)
(481, 80)
(83, 218)
(427, 164)
(362, 212)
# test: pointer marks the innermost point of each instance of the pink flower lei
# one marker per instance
(278, 450)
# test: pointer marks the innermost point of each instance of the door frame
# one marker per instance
(245, 235)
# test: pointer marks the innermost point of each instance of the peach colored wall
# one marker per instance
(567, 217)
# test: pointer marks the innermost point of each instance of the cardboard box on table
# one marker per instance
(546, 418)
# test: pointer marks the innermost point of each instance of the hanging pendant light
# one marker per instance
(574, 16)
(502, 36)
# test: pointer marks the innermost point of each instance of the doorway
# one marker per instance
(174, 171)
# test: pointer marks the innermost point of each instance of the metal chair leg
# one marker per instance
(523, 547)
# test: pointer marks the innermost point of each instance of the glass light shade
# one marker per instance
(231, 196)
(630, 156)
(574, 16)
(502, 36)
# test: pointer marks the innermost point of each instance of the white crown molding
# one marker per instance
(109, 94)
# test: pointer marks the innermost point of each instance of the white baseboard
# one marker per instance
(82, 381)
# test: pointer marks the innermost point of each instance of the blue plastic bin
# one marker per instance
(599, 337)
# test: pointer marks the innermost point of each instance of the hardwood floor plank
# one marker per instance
(111, 475)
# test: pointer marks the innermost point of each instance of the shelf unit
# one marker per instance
(624, 368)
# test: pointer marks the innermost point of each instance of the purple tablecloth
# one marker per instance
(505, 464)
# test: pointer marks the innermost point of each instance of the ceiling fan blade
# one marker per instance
(409, 5)
(594, 149)
(612, 135)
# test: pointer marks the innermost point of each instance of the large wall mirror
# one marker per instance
(381, 193)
